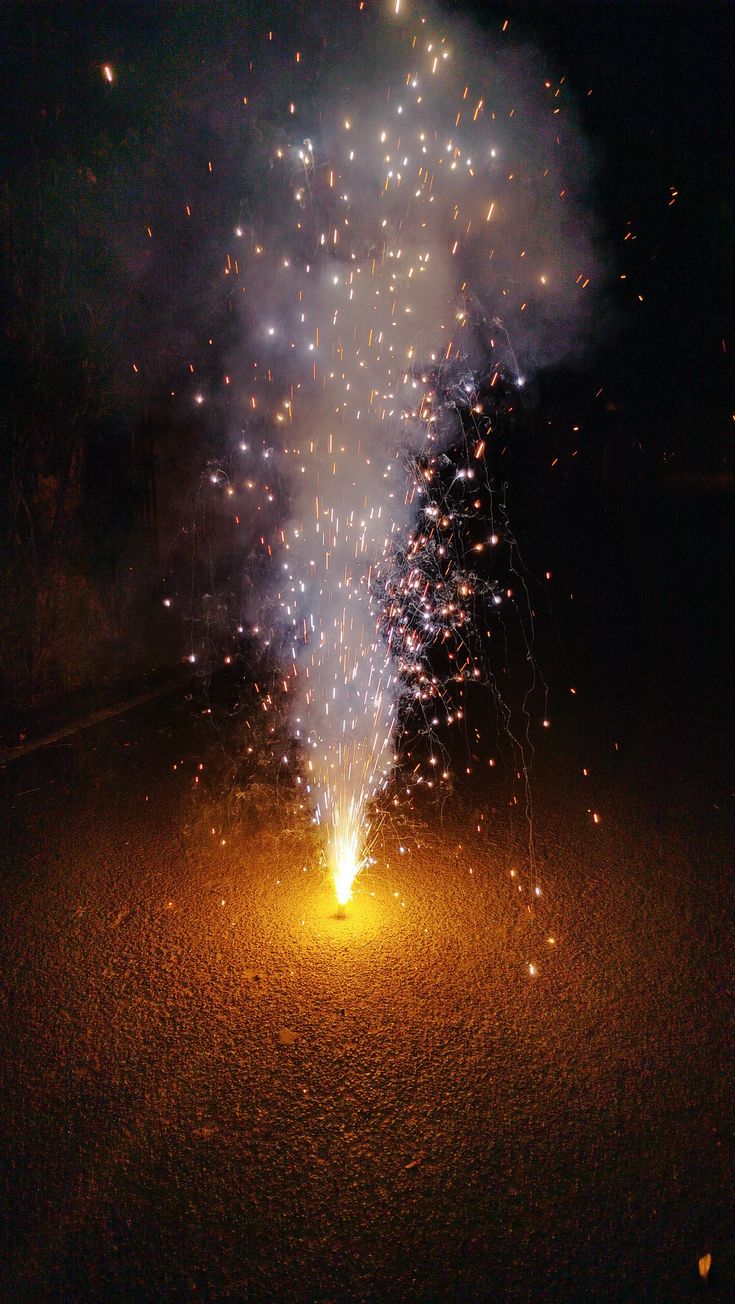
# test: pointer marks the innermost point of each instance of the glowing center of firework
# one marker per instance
(345, 858)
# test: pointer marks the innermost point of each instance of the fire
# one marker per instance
(344, 854)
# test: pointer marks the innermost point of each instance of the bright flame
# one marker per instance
(344, 852)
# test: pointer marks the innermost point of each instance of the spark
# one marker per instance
(370, 312)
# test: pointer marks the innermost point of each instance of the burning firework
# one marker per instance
(427, 225)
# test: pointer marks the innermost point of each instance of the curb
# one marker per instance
(88, 721)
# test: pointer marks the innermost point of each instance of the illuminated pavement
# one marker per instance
(213, 1089)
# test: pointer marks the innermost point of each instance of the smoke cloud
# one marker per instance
(427, 211)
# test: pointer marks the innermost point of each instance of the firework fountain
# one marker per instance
(430, 248)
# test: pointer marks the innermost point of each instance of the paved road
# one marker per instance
(213, 1089)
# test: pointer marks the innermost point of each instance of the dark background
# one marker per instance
(659, 119)
(102, 463)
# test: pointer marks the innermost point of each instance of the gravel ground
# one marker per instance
(213, 1088)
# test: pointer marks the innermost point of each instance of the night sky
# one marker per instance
(652, 83)
(659, 115)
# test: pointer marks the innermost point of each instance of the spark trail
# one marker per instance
(430, 223)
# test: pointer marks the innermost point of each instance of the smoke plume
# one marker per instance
(424, 213)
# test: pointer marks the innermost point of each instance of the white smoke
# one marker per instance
(438, 195)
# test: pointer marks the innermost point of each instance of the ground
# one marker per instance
(212, 1088)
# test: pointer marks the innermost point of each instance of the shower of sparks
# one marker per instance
(383, 336)
(345, 849)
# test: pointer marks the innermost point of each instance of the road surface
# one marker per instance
(214, 1089)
